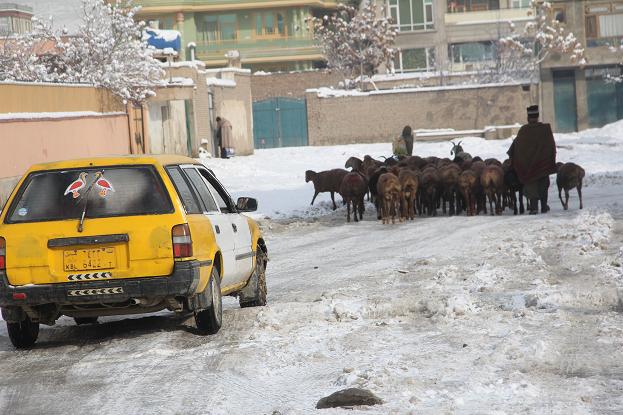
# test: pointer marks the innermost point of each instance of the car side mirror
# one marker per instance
(246, 204)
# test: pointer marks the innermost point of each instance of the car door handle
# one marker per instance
(218, 230)
(233, 225)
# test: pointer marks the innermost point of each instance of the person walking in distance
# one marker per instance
(224, 137)
(533, 157)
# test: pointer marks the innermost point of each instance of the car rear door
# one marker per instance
(239, 224)
(221, 225)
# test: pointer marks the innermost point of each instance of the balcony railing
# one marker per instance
(487, 15)
(258, 48)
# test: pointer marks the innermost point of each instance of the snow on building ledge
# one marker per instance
(227, 69)
(179, 81)
(184, 64)
(51, 84)
(29, 116)
(325, 92)
(229, 83)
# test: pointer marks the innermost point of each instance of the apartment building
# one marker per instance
(452, 35)
(579, 97)
(15, 18)
(270, 35)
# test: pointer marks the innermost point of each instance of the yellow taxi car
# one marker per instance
(125, 235)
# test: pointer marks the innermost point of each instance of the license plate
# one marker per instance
(89, 259)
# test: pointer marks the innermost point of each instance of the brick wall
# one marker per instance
(379, 116)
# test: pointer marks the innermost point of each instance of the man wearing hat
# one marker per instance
(533, 157)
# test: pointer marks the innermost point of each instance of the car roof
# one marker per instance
(161, 159)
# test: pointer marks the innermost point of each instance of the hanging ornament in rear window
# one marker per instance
(77, 185)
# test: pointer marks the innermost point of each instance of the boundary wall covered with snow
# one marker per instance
(347, 117)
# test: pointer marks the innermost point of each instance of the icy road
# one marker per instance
(491, 315)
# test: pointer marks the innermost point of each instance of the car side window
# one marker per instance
(202, 189)
(219, 194)
(187, 196)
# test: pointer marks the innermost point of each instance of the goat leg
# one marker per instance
(333, 200)
(580, 194)
(566, 199)
(314, 198)
(560, 197)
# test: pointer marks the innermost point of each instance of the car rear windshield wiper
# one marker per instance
(86, 202)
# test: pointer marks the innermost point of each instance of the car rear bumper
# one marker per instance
(182, 282)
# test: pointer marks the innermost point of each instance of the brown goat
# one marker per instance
(353, 190)
(326, 181)
(388, 190)
(449, 176)
(355, 164)
(430, 185)
(492, 182)
(481, 199)
(468, 186)
(493, 162)
(569, 175)
(409, 182)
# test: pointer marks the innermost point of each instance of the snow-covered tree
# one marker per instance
(355, 42)
(541, 37)
(107, 51)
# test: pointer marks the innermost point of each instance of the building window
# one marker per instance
(411, 15)
(218, 28)
(269, 24)
(472, 52)
(604, 24)
(559, 14)
(5, 26)
(415, 60)
(460, 6)
(521, 4)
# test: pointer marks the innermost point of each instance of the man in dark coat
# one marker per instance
(533, 157)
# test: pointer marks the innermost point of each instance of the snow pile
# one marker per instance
(230, 83)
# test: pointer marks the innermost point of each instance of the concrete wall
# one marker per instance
(39, 97)
(24, 142)
(292, 85)
(380, 116)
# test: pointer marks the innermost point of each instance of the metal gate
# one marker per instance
(280, 122)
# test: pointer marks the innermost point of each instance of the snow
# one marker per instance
(325, 92)
(178, 80)
(160, 34)
(13, 116)
(227, 69)
(184, 64)
(486, 315)
(220, 82)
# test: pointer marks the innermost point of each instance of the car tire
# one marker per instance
(257, 283)
(24, 334)
(85, 320)
(210, 319)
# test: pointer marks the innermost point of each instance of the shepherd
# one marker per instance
(533, 157)
(224, 137)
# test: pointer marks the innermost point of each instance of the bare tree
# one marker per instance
(355, 41)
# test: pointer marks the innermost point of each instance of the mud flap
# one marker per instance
(13, 314)
(202, 300)
(249, 292)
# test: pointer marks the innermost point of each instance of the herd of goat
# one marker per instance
(408, 186)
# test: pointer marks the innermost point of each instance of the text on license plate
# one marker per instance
(89, 259)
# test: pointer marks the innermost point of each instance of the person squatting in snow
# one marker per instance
(403, 144)
(533, 157)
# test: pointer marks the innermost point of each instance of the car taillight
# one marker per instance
(2, 253)
(182, 242)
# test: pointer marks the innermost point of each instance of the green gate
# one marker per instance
(280, 122)
(565, 108)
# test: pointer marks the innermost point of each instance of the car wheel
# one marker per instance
(85, 320)
(23, 334)
(257, 284)
(210, 319)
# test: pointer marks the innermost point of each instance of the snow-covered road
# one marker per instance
(504, 315)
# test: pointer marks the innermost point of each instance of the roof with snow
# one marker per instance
(163, 39)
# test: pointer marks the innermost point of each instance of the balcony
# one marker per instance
(472, 16)
(169, 6)
(260, 50)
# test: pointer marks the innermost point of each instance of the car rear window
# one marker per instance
(108, 192)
